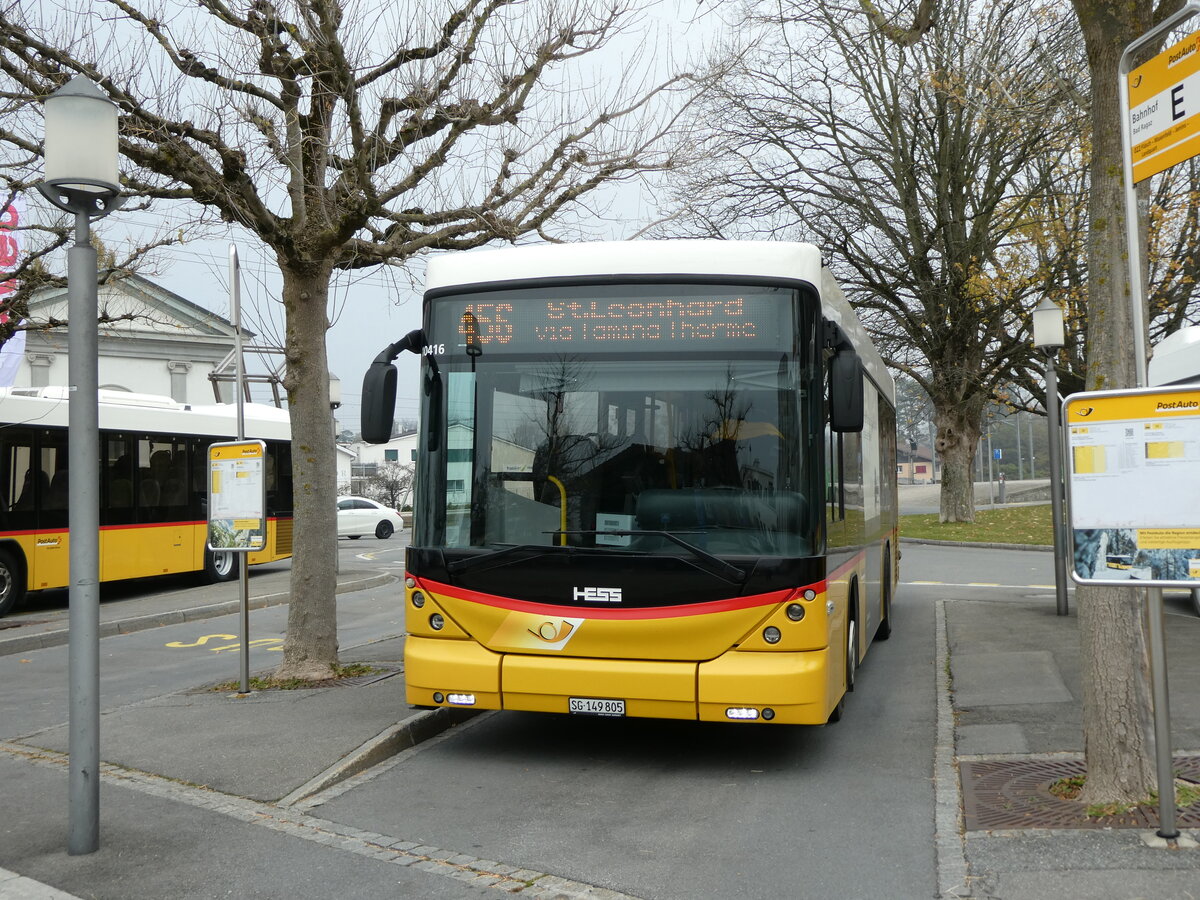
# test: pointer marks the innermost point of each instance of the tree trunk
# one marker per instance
(1117, 722)
(957, 438)
(1117, 731)
(310, 648)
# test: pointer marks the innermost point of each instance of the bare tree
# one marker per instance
(917, 168)
(391, 485)
(345, 135)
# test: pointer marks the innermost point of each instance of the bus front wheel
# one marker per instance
(851, 666)
(220, 565)
(12, 583)
(885, 623)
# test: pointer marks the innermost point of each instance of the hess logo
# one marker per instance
(597, 595)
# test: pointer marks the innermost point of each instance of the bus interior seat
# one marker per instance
(670, 510)
(120, 493)
(173, 492)
(148, 492)
(32, 477)
(59, 492)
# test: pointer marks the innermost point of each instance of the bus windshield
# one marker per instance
(666, 419)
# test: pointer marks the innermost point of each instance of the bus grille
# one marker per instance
(283, 537)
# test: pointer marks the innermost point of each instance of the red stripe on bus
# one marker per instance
(122, 527)
(657, 612)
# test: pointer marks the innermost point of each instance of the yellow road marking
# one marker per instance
(268, 643)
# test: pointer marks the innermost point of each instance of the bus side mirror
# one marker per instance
(846, 391)
(378, 402)
(379, 389)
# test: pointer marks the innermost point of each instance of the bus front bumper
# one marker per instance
(779, 687)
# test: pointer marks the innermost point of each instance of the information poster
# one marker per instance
(1133, 467)
(237, 496)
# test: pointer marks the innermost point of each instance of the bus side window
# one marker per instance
(20, 474)
(52, 451)
(116, 501)
(34, 483)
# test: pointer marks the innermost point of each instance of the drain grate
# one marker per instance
(1015, 793)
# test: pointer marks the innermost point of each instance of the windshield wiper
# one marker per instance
(494, 558)
(712, 564)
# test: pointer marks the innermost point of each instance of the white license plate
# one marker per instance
(592, 706)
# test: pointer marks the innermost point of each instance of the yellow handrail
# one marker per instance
(562, 493)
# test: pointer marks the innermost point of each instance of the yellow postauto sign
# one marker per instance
(237, 518)
(1164, 109)
(1133, 463)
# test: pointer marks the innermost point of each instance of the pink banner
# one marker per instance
(10, 253)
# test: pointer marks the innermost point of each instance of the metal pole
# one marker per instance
(991, 474)
(83, 460)
(1054, 429)
(1032, 457)
(1162, 715)
(1020, 461)
(235, 304)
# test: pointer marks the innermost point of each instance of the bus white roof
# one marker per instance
(605, 259)
(121, 411)
(767, 259)
(1176, 358)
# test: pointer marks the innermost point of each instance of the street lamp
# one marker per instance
(82, 179)
(1048, 336)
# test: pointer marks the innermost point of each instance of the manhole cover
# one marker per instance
(999, 794)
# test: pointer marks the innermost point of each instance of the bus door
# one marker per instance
(20, 487)
(119, 544)
(166, 543)
(51, 552)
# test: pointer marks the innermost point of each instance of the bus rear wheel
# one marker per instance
(12, 583)
(220, 565)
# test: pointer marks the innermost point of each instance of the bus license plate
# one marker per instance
(592, 706)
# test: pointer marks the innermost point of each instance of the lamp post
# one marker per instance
(82, 179)
(1049, 336)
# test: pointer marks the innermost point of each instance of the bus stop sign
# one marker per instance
(1131, 457)
(237, 496)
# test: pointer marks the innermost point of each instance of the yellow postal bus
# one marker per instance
(653, 479)
(153, 492)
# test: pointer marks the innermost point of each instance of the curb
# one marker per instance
(388, 743)
(58, 637)
(980, 544)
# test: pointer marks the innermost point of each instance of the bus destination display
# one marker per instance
(740, 318)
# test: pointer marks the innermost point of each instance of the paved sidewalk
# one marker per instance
(1015, 711)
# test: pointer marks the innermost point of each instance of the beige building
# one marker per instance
(157, 343)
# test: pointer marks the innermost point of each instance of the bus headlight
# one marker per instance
(772, 635)
(418, 599)
(744, 713)
(410, 582)
(436, 622)
(795, 612)
(462, 699)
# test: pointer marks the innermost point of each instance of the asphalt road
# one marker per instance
(657, 810)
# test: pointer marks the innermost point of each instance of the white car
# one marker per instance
(357, 516)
